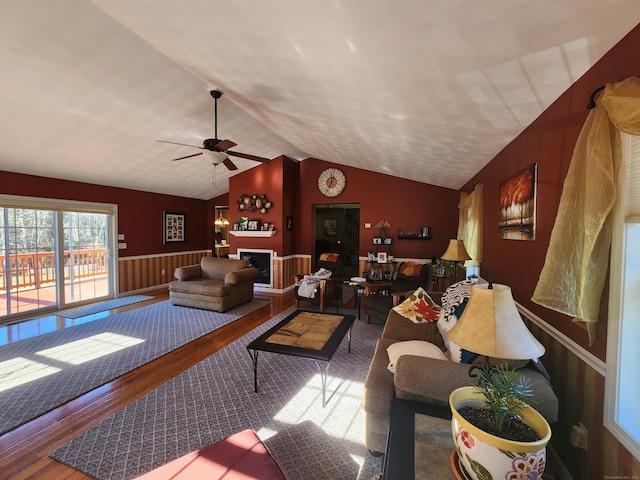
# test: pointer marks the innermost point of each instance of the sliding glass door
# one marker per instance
(51, 258)
(86, 269)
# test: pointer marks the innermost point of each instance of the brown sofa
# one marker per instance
(216, 284)
(423, 379)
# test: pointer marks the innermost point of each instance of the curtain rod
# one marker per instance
(592, 98)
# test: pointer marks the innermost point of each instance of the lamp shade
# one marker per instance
(455, 251)
(491, 325)
(215, 157)
(221, 221)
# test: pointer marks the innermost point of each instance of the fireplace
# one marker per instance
(263, 261)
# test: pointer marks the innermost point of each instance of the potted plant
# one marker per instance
(483, 415)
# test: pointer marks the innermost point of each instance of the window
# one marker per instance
(54, 253)
(621, 415)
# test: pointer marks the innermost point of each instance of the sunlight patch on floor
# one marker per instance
(345, 402)
(19, 371)
(90, 348)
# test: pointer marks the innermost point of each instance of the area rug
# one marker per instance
(98, 307)
(40, 373)
(215, 398)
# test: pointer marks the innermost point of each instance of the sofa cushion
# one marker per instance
(418, 348)
(202, 286)
(454, 301)
(419, 307)
(216, 268)
(400, 329)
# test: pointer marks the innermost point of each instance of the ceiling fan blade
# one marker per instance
(229, 164)
(224, 144)
(248, 156)
(176, 143)
(188, 156)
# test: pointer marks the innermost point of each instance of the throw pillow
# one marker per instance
(329, 257)
(418, 307)
(410, 269)
(419, 348)
(454, 301)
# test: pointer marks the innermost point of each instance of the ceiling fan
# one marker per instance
(217, 151)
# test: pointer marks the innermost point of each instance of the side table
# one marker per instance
(358, 291)
(420, 443)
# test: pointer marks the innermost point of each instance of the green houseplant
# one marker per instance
(491, 325)
(497, 434)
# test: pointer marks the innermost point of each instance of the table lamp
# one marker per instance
(492, 326)
(455, 253)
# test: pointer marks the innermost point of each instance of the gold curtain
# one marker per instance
(470, 223)
(575, 268)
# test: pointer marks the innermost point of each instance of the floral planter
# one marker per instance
(487, 457)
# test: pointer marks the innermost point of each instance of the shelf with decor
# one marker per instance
(413, 237)
(425, 234)
(253, 233)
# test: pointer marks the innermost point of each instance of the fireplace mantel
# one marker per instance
(253, 233)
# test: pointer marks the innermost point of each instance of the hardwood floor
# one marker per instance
(24, 452)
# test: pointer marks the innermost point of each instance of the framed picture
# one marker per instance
(330, 227)
(253, 225)
(375, 274)
(387, 240)
(175, 227)
(377, 240)
(517, 202)
(265, 226)
(236, 226)
(382, 257)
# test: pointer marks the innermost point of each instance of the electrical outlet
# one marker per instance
(579, 436)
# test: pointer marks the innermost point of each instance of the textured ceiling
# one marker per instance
(428, 90)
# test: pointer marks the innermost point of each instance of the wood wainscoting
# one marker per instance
(146, 271)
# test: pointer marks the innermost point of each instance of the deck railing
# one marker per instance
(34, 270)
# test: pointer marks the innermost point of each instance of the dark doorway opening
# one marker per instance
(338, 231)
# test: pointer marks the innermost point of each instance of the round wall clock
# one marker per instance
(331, 182)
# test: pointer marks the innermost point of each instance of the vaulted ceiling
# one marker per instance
(421, 89)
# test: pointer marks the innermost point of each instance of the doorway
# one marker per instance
(53, 255)
(338, 231)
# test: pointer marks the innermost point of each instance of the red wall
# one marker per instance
(406, 204)
(139, 213)
(549, 141)
(267, 179)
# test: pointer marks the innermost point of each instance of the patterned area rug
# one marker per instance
(101, 306)
(40, 373)
(215, 399)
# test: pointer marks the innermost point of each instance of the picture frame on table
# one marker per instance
(253, 225)
(265, 227)
(382, 257)
(174, 227)
(375, 274)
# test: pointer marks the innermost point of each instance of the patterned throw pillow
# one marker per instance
(419, 307)
(410, 269)
(454, 301)
(329, 257)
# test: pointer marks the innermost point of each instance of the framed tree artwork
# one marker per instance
(175, 227)
(517, 216)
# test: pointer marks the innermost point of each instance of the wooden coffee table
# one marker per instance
(304, 334)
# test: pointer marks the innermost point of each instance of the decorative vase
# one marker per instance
(487, 457)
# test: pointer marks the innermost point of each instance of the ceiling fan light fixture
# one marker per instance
(215, 157)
